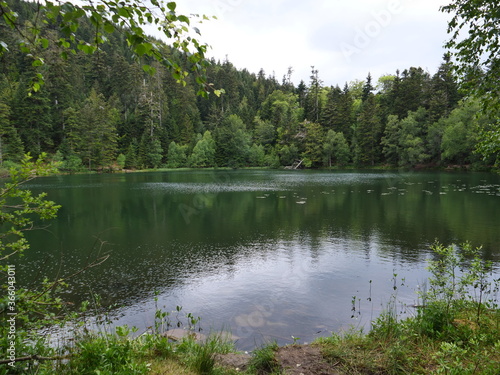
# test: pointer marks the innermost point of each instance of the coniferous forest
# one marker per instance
(84, 88)
(101, 111)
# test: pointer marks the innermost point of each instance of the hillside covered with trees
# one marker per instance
(101, 110)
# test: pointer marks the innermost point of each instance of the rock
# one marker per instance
(178, 334)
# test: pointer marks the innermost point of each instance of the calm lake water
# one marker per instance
(266, 255)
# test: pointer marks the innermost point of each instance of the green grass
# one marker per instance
(405, 347)
(412, 346)
(264, 361)
(457, 331)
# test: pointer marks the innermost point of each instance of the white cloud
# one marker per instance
(344, 40)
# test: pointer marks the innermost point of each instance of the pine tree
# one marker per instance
(131, 157)
(11, 146)
(330, 114)
(93, 134)
(14, 149)
(152, 150)
(313, 143)
(345, 121)
(232, 142)
(390, 140)
(33, 119)
(4, 126)
(302, 93)
(368, 133)
(444, 94)
(413, 91)
(367, 88)
(314, 103)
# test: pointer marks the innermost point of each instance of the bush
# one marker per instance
(106, 354)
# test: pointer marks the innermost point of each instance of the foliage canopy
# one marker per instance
(130, 17)
(475, 42)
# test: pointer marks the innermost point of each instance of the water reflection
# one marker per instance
(264, 254)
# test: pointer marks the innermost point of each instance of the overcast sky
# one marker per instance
(343, 39)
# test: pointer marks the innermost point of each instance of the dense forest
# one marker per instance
(103, 111)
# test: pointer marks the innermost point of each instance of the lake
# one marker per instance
(266, 255)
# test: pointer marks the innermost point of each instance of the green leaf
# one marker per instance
(123, 12)
(219, 92)
(44, 42)
(109, 27)
(140, 49)
(10, 19)
(78, 13)
(86, 48)
(183, 19)
(24, 48)
(149, 69)
(202, 93)
(171, 6)
(37, 62)
(64, 43)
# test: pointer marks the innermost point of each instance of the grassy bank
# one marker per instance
(455, 330)
(5, 169)
(432, 342)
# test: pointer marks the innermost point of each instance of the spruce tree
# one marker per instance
(313, 104)
(368, 133)
(93, 133)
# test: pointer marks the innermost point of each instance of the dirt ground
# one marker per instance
(304, 360)
(293, 359)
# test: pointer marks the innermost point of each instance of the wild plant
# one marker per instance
(460, 281)
(107, 354)
(264, 360)
(455, 330)
(162, 320)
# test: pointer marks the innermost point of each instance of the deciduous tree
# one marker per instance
(176, 156)
(129, 17)
(203, 154)
(335, 149)
(475, 45)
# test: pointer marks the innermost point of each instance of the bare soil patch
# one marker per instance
(304, 360)
(293, 359)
